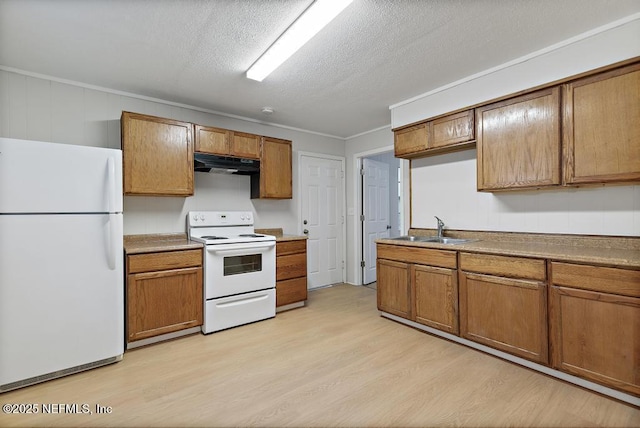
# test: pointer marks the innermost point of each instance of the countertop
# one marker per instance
(138, 244)
(281, 237)
(600, 250)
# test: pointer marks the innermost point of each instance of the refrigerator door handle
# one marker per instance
(111, 245)
(111, 184)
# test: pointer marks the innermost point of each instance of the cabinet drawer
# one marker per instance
(291, 291)
(163, 261)
(608, 280)
(515, 267)
(423, 256)
(291, 247)
(291, 266)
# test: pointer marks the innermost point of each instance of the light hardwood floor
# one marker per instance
(335, 362)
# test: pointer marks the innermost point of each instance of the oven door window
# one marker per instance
(236, 265)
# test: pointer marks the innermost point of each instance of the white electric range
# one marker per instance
(239, 268)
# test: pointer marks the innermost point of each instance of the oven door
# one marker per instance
(239, 268)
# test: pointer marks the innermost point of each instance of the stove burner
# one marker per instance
(250, 235)
(214, 237)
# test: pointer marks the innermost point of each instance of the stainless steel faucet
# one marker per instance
(440, 227)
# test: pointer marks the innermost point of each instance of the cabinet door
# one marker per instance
(212, 140)
(596, 336)
(275, 178)
(506, 314)
(163, 302)
(157, 156)
(518, 142)
(393, 288)
(602, 127)
(451, 130)
(436, 297)
(244, 145)
(411, 141)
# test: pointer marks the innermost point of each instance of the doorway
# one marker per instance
(382, 206)
(322, 217)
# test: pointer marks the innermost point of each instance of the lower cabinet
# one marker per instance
(164, 293)
(595, 324)
(506, 312)
(582, 320)
(291, 272)
(419, 284)
(436, 297)
(394, 288)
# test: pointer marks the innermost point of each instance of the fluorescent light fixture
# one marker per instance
(312, 20)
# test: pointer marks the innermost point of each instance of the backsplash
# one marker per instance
(445, 186)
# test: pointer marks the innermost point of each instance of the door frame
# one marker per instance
(357, 190)
(343, 201)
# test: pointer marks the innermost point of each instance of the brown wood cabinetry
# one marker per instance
(595, 324)
(601, 128)
(447, 133)
(436, 297)
(451, 130)
(412, 141)
(419, 284)
(518, 142)
(507, 312)
(224, 142)
(164, 293)
(157, 156)
(394, 287)
(275, 178)
(291, 272)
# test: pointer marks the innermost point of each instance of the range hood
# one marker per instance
(206, 162)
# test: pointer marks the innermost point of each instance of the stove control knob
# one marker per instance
(202, 217)
(195, 217)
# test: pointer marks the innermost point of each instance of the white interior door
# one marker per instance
(375, 202)
(322, 211)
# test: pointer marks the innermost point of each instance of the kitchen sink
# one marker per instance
(434, 239)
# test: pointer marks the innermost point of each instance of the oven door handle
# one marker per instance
(240, 249)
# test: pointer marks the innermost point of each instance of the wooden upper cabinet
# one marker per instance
(224, 142)
(275, 178)
(243, 145)
(447, 133)
(452, 130)
(518, 142)
(602, 127)
(157, 156)
(212, 140)
(411, 141)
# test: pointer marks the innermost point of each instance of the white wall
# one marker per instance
(48, 109)
(445, 185)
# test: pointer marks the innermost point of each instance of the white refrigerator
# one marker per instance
(61, 260)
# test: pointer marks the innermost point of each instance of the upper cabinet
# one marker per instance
(451, 130)
(518, 142)
(578, 131)
(602, 127)
(275, 178)
(157, 156)
(411, 141)
(224, 142)
(444, 134)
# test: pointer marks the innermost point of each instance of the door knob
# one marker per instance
(304, 222)
(306, 231)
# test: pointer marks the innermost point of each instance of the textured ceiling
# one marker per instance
(375, 54)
